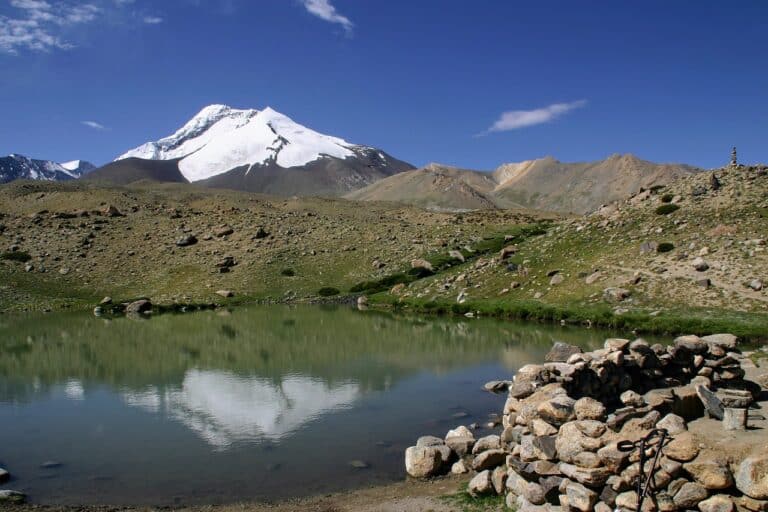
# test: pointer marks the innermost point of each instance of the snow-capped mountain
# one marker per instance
(257, 150)
(16, 167)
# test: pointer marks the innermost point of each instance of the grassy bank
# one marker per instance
(749, 326)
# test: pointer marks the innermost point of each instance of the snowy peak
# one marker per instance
(220, 138)
(15, 167)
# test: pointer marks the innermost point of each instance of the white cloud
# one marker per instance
(41, 25)
(94, 125)
(38, 25)
(325, 11)
(514, 119)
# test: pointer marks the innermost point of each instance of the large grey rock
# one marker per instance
(673, 424)
(560, 352)
(593, 477)
(690, 495)
(570, 441)
(423, 461)
(692, 343)
(489, 459)
(429, 441)
(499, 479)
(682, 448)
(717, 503)
(726, 341)
(460, 445)
(492, 442)
(557, 410)
(481, 484)
(711, 403)
(712, 474)
(460, 431)
(589, 409)
(581, 498)
(752, 476)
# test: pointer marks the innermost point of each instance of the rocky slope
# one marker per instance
(435, 187)
(691, 251)
(696, 244)
(543, 184)
(60, 243)
(254, 150)
(18, 167)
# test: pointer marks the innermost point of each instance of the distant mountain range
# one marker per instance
(254, 150)
(18, 167)
(542, 184)
(265, 151)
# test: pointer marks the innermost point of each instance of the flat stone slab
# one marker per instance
(712, 404)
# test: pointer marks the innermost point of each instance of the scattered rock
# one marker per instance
(225, 293)
(700, 265)
(139, 306)
(616, 294)
(186, 240)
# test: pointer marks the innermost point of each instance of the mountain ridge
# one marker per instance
(254, 150)
(15, 167)
(543, 184)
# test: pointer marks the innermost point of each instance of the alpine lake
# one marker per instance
(257, 403)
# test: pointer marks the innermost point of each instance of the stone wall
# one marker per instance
(563, 421)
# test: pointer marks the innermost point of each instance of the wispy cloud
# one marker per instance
(94, 125)
(42, 25)
(515, 119)
(325, 11)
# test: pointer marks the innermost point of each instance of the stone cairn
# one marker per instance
(564, 419)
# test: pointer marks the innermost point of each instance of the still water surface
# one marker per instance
(259, 403)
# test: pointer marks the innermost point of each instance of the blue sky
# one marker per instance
(469, 83)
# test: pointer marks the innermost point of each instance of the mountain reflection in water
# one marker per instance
(223, 408)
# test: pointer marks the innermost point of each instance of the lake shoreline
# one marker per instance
(440, 494)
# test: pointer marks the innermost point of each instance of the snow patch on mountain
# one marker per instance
(16, 166)
(220, 138)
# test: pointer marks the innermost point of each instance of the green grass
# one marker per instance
(442, 261)
(748, 326)
(666, 209)
(22, 257)
(468, 503)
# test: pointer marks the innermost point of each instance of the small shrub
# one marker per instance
(288, 272)
(22, 257)
(666, 209)
(656, 188)
(665, 247)
(667, 198)
(328, 291)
